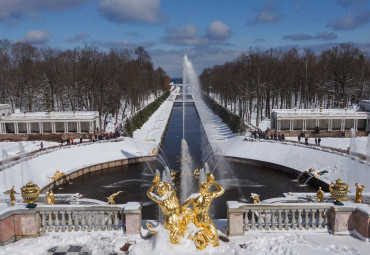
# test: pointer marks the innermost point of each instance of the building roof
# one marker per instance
(40, 116)
(320, 113)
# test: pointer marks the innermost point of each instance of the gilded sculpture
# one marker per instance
(359, 190)
(30, 193)
(50, 198)
(164, 195)
(12, 196)
(320, 195)
(256, 198)
(339, 190)
(112, 197)
(57, 176)
(201, 204)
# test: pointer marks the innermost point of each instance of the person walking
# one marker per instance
(80, 139)
(299, 139)
(41, 145)
(318, 141)
(306, 141)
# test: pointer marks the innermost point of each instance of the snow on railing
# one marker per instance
(292, 216)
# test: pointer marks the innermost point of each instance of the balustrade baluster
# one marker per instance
(259, 220)
(96, 228)
(83, 221)
(116, 222)
(299, 219)
(50, 222)
(57, 227)
(273, 220)
(63, 221)
(266, 220)
(286, 220)
(70, 227)
(253, 220)
(306, 224)
(293, 220)
(103, 227)
(319, 222)
(279, 220)
(43, 222)
(246, 222)
(110, 221)
(313, 219)
(77, 224)
(89, 222)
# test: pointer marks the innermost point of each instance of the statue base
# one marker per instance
(31, 206)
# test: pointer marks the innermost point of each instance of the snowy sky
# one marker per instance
(209, 31)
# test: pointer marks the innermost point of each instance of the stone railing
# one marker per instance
(81, 218)
(17, 223)
(302, 216)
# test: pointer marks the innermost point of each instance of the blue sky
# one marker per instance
(210, 32)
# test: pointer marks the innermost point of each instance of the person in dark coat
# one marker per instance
(306, 141)
(318, 141)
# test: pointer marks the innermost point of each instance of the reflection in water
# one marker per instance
(238, 179)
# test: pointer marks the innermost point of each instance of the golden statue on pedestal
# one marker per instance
(201, 205)
(50, 198)
(320, 195)
(256, 198)
(164, 195)
(359, 190)
(339, 190)
(112, 197)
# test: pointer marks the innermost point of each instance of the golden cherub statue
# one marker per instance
(201, 205)
(111, 198)
(12, 196)
(359, 190)
(58, 175)
(164, 195)
(50, 198)
(320, 195)
(256, 198)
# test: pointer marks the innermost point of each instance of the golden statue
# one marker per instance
(256, 198)
(111, 198)
(164, 195)
(359, 190)
(196, 174)
(57, 176)
(50, 198)
(320, 195)
(12, 196)
(314, 172)
(201, 205)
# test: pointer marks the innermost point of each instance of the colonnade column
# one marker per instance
(3, 128)
(279, 125)
(91, 127)
(317, 123)
(368, 125)
(79, 127)
(291, 127)
(355, 124)
(53, 128)
(41, 127)
(330, 124)
(28, 127)
(16, 130)
(65, 127)
(342, 124)
(304, 125)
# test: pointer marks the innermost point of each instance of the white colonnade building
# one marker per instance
(47, 122)
(324, 119)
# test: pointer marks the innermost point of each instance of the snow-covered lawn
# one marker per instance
(256, 242)
(13, 148)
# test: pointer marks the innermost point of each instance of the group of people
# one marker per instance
(268, 134)
(317, 140)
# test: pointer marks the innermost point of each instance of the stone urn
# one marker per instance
(339, 190)
(30, 193)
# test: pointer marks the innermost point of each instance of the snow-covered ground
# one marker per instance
(257, 242)
(14, 149)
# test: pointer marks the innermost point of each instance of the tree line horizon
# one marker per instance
(87, 78)
(263, 80)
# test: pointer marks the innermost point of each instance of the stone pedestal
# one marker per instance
(235, 224)
(342, 219)
(133, 219)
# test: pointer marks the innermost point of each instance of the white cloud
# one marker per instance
(268, 14)
(13, 10)
(77, 37)
(120, 11)
(218, 30)
(350, 21)
(36, 37)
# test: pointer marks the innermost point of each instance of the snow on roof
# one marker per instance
(52, 115)
(310, 113)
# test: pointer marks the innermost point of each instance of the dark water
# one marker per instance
(238, 179)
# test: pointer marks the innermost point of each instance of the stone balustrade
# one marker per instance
(250, 217)
(18, 223)
(57, 218)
